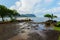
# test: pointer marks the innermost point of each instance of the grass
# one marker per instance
(58, 29)
(59, 38)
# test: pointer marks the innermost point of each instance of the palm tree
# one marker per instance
(3, 11)
(53, 16)
(50, 16)
(9, 13)
(13, 13)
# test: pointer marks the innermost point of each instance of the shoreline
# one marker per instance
(15, 31)
(16, 21)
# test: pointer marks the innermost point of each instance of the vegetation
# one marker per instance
(5, 12)
(58, 24)
(50, 16)
(12, 14)
(58, 29)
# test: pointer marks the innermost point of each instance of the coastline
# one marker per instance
(15, 31)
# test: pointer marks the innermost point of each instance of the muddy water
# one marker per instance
(25, 31)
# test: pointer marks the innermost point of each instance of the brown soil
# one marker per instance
(13, 31)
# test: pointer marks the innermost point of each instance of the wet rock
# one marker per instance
(52, 35)
(34, 36)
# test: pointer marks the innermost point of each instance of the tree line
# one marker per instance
(50, 16)
(5, 12)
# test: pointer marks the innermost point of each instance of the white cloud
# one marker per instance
(55, 11)
(35, 6)
(18, 4)
(24, 5)
(27, 5)
(58, 3)
(48, 1)
(12, 7)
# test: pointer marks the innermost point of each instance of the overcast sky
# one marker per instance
(37, 7)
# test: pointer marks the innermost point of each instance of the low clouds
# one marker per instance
(55, 11)
(18, 4)
(26, 5)
(35, 6)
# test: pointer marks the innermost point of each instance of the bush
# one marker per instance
(58, 24)
(13, 20)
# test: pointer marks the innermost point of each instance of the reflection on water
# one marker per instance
(23, 31)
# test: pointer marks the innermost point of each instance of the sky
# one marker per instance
(37, 7)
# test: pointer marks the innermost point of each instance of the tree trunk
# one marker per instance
(15, 17)
(49, 18)
(10, 17)
(2, 19)
(52, 18)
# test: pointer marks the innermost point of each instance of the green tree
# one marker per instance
(10, 14)
(50, 16)
(3, 11)
(53, 16)
(13, 14)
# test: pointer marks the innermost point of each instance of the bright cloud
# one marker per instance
(48, 1)
(18, 4)
(26, 5)
(55, 11)
(58, 3)
(34, 6)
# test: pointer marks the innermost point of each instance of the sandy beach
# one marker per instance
(25, 31)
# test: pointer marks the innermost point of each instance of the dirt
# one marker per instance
(25, 31)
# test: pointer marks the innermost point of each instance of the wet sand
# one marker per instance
(25, 31)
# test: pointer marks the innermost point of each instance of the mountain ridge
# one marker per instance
(27, 15)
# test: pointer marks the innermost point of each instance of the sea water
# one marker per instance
(35, 19)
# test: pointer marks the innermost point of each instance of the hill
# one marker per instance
(27, 15)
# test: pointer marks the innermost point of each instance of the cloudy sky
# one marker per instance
(37, 7)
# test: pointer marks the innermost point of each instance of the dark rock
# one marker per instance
(34, 36)
(52, 35)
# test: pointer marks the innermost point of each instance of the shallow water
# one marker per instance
(35, 19)
(22, 31)
(34, 32)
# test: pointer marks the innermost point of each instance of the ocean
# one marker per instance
(38, 19)
(24, 29)
(35, 19)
